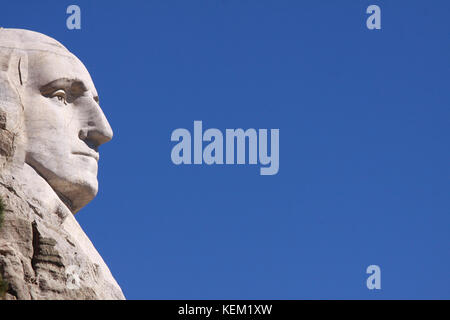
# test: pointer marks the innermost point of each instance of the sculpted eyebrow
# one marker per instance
(73, 87)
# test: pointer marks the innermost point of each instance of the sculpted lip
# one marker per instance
(87, 154)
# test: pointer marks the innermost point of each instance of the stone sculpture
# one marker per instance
(51, 126)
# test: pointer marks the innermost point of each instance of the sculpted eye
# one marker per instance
(60, 94)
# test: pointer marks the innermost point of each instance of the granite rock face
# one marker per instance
(51, 126)
(44, 254)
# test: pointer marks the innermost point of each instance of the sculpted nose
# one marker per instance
(98, 130)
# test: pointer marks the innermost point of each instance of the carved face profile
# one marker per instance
(62, 120)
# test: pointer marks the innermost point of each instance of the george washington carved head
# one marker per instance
(52, 114)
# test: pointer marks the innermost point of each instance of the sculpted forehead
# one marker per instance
(48, 59)
(45, 67)
(29, 40)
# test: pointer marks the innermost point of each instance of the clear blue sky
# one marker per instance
(364, 119)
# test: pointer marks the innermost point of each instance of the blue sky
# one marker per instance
(364, 145)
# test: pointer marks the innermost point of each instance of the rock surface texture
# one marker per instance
(51, 126)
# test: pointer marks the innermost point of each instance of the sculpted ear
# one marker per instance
(18, 68)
